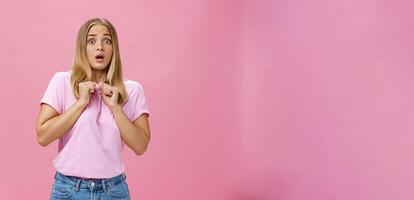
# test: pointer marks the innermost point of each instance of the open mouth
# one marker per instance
(99, 58)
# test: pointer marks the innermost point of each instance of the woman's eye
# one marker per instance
(91, 41)
(108, 41)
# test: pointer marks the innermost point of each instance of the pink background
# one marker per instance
(250, 99)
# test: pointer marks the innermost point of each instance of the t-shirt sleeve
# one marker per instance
(54, 93)
(140, 103)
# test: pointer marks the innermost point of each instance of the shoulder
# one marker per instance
(60, 78)
(132, 86)
(62, 75)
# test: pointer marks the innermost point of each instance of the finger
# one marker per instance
(107, 91)
(88, 84)
(112, 88)
(106, 87)
(91, 87)
(97, 86)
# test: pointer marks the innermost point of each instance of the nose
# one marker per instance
(99, 46)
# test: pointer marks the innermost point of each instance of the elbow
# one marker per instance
(140, 151)
(41, 140)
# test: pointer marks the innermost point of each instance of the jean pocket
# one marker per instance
(119, 190)
(61, 190)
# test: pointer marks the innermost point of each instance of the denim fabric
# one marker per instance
(75, 188)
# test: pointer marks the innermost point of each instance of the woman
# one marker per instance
(93, 112)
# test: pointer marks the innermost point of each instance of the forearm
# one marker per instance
(134, 136)
(56, 127)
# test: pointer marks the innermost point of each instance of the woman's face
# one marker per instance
(99, 47)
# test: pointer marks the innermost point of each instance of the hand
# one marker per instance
(85, 90)
(109, 94)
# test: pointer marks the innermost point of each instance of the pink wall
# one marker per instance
(327, 100)
(250, 99)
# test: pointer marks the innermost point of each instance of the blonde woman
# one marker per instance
(93, 112)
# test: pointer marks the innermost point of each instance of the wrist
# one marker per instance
(81, 104)
(115, 108)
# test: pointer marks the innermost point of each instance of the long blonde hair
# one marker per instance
(81, 68)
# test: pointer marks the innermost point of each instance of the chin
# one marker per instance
(99, 67)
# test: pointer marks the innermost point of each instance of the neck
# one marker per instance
(98, 76)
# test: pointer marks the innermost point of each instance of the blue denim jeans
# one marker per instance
(71, 187)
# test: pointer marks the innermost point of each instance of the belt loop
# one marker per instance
(124, 176)
(55, 175)
(104, 185)
(77, 185)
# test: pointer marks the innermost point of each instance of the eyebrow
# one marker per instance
(95, 35)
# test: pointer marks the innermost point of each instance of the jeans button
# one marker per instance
(92, 184)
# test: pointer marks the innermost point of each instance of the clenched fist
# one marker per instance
(85, 90)
(109, 94)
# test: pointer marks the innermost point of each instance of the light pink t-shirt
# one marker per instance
(93, 147)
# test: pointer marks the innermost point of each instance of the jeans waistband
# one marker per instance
(85, 183)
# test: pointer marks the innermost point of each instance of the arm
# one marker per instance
(135, 134)
(51, 126)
